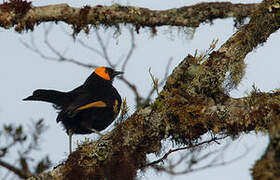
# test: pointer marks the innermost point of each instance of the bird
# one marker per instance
(89, 108)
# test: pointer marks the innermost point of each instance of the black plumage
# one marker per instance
(91, 107)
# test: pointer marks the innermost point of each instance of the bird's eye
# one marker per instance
(106, 71)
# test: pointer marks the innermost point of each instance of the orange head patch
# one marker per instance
(102, 72)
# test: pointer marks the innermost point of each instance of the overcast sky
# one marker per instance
(23, 71)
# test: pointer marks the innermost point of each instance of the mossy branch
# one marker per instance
(225, 67)
(183, 119)
(80, 18)
(269, 164)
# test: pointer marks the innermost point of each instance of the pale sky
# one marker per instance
(23, 71)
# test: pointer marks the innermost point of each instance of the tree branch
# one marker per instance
(80, 18)
(270, 161)
(209, 77)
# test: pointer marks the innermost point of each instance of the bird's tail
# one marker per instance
(52, 96)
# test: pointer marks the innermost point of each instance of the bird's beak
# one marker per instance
(117, 73)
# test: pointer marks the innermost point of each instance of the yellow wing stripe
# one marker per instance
(115, 107)
(98, 104)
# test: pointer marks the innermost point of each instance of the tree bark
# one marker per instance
(25, 16)
(268, 167)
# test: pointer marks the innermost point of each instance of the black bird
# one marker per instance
(89, 108)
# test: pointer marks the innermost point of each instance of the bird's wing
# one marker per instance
(83, 98)
(80, 104)
(95, 104)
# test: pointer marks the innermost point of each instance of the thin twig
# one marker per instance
(210, 165)
(59, 57)
(104, 49)
(5, 149)
(17, 171)
(131, 50)
(183, 148)
(90, 48)
(133, 88)
(167, 68)
(215, 162)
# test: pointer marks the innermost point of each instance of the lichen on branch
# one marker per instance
(25, 16)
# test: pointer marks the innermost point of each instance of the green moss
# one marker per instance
(157, 105)
(116, 6)
(161, 102)
(237, 72)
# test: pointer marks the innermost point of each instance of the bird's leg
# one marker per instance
(70, 140)
(97, 132)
